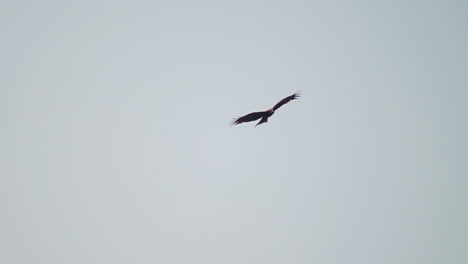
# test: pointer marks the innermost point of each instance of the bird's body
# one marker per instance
(264, 115)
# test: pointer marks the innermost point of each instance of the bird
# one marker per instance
(264, 115)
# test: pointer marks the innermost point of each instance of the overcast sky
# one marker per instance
(116, 147)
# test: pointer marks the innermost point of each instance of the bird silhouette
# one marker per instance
(264, 115)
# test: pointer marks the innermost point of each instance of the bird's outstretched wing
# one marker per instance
(248, 118)
(286, 100)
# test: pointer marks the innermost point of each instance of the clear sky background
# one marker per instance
(115, 143)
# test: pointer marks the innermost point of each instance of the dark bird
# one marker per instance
(265, 114)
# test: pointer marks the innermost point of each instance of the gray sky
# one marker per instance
(115, 144)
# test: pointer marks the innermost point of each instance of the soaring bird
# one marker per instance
(264, 115)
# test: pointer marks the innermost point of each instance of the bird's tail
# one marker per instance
(263, 120)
